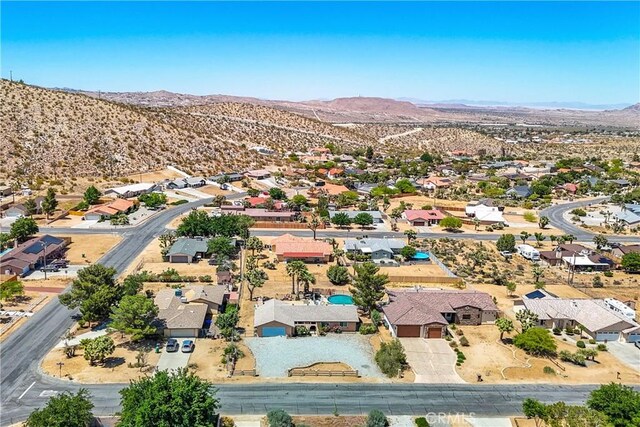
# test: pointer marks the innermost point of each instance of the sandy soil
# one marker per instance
(197, 269)
(30, 301)
(376, 341)
(154, 176)
(487, 357)
(93, 246)
(208, 360)
(214, 190)
(330, 421)
(67, 222)
(114, 370)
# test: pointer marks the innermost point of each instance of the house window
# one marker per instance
(343, 324)
(466, 317)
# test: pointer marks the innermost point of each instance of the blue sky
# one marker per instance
(517, 52)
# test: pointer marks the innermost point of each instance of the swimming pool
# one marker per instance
(421, 256)
(340, 299)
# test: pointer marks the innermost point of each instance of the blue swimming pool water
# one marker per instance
(421, 255)
(340, 299)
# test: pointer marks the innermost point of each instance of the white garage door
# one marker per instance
(609, 336)
(183, 333)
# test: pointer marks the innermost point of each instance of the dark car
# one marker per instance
(187, 346)
(172, 345)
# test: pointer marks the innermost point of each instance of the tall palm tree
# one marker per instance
(294, 270)
(307, 279)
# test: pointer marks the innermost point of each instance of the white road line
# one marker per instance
(28, 388)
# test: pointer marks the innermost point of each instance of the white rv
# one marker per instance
(620, 307)
(528, 252)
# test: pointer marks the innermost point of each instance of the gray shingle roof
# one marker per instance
(286, 313)
(185, 245)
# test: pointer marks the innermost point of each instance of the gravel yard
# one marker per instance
(275, 355)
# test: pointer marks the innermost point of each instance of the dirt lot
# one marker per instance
(214, 190)
(93, 246)
(114, 370)
(208, 360)
(154, 176)
(486, 356)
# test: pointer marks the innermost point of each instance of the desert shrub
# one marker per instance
(279, 418)
(179, 202)
(592, 341)
(557, 331)
(608, 274)
(376, 317)
(368, 329)
(422, 422)
(206, 278)
(530, 216)
(536, 341)
(581, 344)
(579, 212)
(568, 330)
(459, 332)
(377, 419)
(575, 358)
(391, 358)
(464, 342)
(548, 370)
(227, 422)
(302, 331)
(602, 347)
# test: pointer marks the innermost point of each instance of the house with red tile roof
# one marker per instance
(425, 313)
(335, 173)
(423, 217)
(435, 182)
(289, 248)
(110, 209)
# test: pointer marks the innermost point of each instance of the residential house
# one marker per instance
(178, 317)
(195, 181)
(622, 250)
(555, 256)
(434, 183)
(630, 215)
(258, 174)
(622, 183)
(335, 173)
(332, 189)
(260, 214)
(425, 313)
(380, 250)
(106, 211)
(289, 248)
(132, 190)
(230, 177)
(377, 215)
(599, 320)
(423, 217)
(486, 214)
(570, 188)
(31, 254)
(263, 202)
(278, 318)
(16, 211)
(519, 192)
(186, 250)
(5, 191)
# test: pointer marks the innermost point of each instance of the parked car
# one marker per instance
(61, 263)
(50, 268)
(187, 346)
(172, 345)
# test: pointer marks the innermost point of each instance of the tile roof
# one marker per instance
(31, 251)
(286, 313)
(420, 307)
(414, 214)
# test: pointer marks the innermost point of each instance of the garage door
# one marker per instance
(183, 259)
(418, 223)
(408, 331)
(183, 333)
(434, 333)
(274, 331)
(634, 337)
(609, 336)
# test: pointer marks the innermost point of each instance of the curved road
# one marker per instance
(23, 387)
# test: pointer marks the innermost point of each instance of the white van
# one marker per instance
(528, 252)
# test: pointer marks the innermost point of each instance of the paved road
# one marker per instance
(22, 384)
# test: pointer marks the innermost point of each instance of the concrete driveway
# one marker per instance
(626, 352)
(175, 360)
(432, 360)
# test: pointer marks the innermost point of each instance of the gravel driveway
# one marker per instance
(275, 355)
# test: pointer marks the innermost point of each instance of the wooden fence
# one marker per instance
(298, 372)
(244, 372)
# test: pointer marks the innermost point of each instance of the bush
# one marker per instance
(376, 317)
(575, 358)
(608, 274)
(459, 332)
(464, 342)
(536, 341)
(179, 202)
(530, 216)
(368, 329)
(592, 341)
(391, 358)
(581, 344)
(227, 422)
(579, 212)
(602, 347)
(422, 422)
(548, 370)
(557, 331)
(377, 419)
(568, 330)
(279, 418)
(302, 331)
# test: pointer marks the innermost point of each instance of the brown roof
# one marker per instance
(625, 249)
(303, 248)
(31, 251)
(179, 315)
(421, 307)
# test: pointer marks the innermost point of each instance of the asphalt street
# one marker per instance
(23, 387)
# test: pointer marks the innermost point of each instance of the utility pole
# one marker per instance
(44, 246)
(60, 365)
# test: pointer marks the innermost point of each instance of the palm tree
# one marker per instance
(306, 278)
(294, 270)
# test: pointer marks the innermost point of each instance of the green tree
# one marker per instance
(405, 186)
(5, 240)
(91, 195)
(277, 193)
(368, 286)
(10, 289)
(451, 223)
(539, 238)
(228, 321)
(49, 203)
(600, 241)
(30, 207)
(295, 269)
(97, 349)
(346, 198)
(527, 319)
(64, 410)
(299, 201)
(338, 275)
(535, 409)
(341, 219)
(255, 279)
(314, 224)
(411, 236)
(511, 288)
(376, 418)
(363, 219)
(254, 244)
(134, 316)
(197, 223)
(94, 291)
(23, 228)
(504, 325)
(536, 341)
(560, 414)
(132, 284)
(631, 262)
(569, 238)
(279, 418)
(537, 272)
(306, 279)
(543, 221)
(391, 358)
(153, 200)
(620, 403)
(177, 399)
(524, 235)
(222, 247)
(408, 252)
(167, 239)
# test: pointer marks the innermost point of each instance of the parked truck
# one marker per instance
(528, 252)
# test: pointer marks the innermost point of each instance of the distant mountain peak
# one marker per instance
(634, 107)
